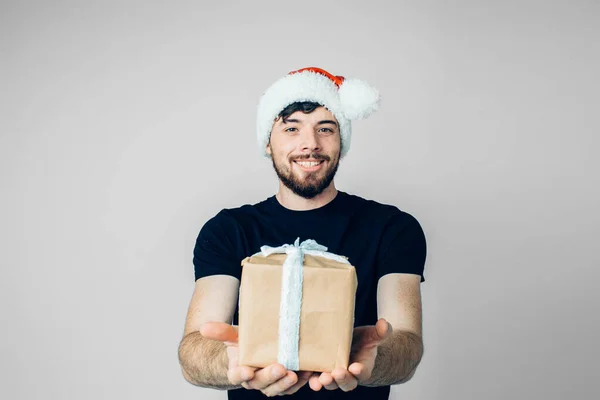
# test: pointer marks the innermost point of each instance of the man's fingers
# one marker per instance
(314, 382)
(344, 379)
(238, 375)
(283, 384)
(303, 377)
(359, 371)
(267, 376)
(325, 378)
(219, 331)
(327, 381)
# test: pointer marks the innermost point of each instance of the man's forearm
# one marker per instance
(397, 359)
(204, 362)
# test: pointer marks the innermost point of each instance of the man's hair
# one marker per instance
(305, 106)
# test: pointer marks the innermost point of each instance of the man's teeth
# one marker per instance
(309, 164)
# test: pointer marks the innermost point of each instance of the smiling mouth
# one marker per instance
(309, 166)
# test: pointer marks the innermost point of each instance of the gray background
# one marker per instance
(126, 125)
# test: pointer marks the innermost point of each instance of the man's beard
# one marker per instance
(310, 186)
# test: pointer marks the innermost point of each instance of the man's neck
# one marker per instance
(292, 201)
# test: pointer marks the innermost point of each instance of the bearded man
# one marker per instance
(304, 127)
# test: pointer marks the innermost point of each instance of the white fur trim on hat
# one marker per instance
(354, 99)
(358, 98)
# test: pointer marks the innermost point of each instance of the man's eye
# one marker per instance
(290, 129)
(327, 130)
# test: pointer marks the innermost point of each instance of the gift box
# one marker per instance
(296, 308)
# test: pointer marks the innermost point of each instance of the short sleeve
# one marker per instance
(218, 248)
(403, 247)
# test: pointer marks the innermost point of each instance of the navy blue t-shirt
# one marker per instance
(378, 239)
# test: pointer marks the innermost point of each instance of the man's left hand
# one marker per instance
(365, 340)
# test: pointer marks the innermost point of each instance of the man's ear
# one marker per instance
(268, 149)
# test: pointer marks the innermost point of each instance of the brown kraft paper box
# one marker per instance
(326, 317)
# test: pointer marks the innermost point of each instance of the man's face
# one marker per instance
(305, 151)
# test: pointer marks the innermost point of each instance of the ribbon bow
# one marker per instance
(309, 246)
(291, 294)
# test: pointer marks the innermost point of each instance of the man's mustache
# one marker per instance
(312, 157)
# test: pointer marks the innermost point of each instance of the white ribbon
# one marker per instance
(291, 295)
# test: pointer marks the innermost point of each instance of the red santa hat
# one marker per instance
(346, 99)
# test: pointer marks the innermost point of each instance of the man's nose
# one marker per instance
(309, 140)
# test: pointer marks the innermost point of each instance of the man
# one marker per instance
(304, 127)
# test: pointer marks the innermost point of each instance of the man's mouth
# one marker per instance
(309, 166)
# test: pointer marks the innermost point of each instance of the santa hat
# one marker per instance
(346, 99)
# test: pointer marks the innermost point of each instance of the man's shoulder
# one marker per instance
(243, 211)
(376, 208)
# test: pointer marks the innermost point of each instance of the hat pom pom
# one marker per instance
(358, 99)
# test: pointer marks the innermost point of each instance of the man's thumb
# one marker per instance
(373, 335)
(383, 329)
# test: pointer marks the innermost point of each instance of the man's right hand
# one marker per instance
(272, 380)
